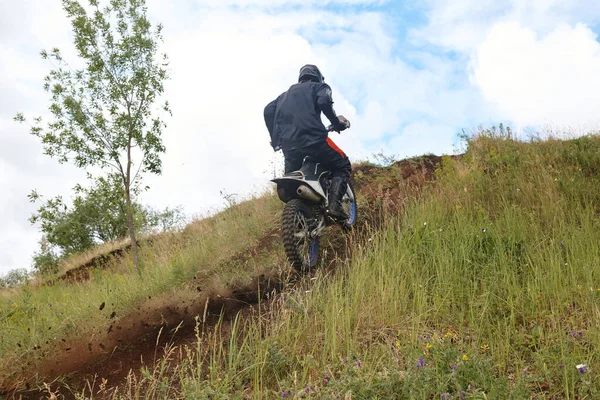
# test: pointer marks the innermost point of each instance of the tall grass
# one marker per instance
(487, 286)
(35, 320)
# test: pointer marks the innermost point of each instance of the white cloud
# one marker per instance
(532, 79)
(25, 28)
(279, 3)
(421, 137)
(461, 25)
(226, 64)
(23, 168)
(231, 64)
(224, 72)
(457, 25)
(230, 57)
(534, 62)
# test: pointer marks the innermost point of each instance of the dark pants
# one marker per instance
(326, 153)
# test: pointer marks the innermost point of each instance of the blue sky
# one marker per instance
(410, 75)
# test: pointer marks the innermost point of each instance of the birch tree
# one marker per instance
(104, 114)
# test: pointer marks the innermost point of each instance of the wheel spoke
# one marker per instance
(301, 229)
(302, 235)
(301, 247)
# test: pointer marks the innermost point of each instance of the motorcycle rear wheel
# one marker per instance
(301, 250)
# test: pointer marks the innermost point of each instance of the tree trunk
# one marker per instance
(129, 214)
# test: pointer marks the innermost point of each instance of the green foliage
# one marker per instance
(15, 277)
(103, 114)
(46, 262)
(105, 108)
(97, 215)
(167, 220)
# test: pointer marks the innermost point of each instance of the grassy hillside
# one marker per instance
(487, 286)
(38, 322)
(482, 284)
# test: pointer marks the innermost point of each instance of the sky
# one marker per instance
(410, 75)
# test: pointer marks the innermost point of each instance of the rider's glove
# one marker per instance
(342, 125)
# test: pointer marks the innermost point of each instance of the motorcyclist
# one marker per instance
(294, 123)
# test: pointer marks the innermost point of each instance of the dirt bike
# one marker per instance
(305, 193)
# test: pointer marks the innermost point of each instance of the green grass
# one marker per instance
(44, 315)
(487, 286)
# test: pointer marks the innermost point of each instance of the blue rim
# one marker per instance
(352, 216)
(312, 254)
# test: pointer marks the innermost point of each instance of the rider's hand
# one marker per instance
(344, 124)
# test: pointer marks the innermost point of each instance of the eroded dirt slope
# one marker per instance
(131, 341)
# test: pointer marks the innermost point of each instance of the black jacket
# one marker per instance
(294, 118)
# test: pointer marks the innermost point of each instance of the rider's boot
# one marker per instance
(336, 193)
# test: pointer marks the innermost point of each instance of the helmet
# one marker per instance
(311, 73)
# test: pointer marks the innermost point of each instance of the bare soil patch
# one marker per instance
(135, 340)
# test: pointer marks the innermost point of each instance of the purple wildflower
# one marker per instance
(454, 367)
(285, 394)
(560, 366)
(445, 396)
(470, 387)
(525, 373)
(420, 363)
(358, 364)
(463, 394)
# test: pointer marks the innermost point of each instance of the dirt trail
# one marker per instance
(138, 339)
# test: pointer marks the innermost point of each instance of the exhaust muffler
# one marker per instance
(307, 193)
